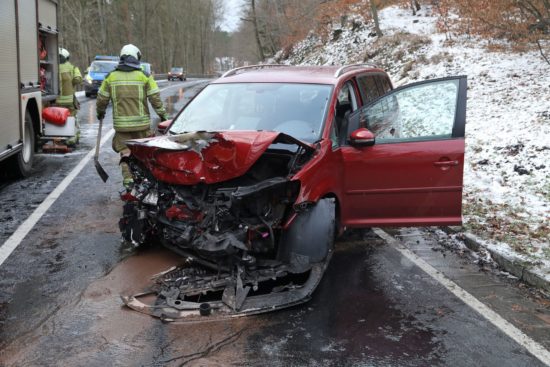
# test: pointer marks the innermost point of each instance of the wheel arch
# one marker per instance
(32, 107)
(338, 209)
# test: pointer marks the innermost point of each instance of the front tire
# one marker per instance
(24, 159)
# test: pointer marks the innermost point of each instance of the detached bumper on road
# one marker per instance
(167, 308)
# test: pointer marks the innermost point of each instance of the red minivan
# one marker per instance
(256, 176)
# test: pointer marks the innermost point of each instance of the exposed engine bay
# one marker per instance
(227, 204)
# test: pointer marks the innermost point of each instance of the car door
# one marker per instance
(412, 175)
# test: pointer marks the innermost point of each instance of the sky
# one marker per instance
(232, 14)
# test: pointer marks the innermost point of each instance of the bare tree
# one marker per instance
(374, 13)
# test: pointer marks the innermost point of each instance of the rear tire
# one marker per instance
(24, 159)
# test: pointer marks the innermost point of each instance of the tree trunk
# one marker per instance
(374, 13)
(256, 30)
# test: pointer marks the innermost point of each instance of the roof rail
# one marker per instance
(344, 68)
(260, 66)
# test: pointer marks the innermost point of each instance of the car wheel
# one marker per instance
(23, 160)
(87, 94)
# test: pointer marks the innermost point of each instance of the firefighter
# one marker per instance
(69, 78)
(129, 88)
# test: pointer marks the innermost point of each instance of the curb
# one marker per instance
(537, 276)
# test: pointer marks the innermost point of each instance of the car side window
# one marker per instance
(346, 103)
(368, 88)
(425, 111)
(384, 85)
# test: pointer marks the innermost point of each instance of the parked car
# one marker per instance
(266, 165)
(177, 73)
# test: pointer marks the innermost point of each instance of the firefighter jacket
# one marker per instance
(129, 91)
(69, 78)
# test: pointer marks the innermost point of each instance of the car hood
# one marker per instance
(206, 157)
(96, 75)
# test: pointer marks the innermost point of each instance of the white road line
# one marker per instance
(517, 335)
(21, 232)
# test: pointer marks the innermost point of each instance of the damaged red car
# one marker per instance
(258, 174)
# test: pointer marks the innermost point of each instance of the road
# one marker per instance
(60, 305)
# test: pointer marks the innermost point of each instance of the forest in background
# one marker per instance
(168, 32)
(276, 25)
(187, 32)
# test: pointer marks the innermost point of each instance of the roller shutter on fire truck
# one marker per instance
(9, 92)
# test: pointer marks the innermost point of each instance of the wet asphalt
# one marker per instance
(60, 305)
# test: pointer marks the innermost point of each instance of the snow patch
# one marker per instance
(506, 198)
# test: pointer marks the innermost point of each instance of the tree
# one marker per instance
(374, 13)
(168, 32)
(519, 21)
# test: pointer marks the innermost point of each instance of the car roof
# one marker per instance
(294, 74)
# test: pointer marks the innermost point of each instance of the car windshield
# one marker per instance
(103, 66)
(176, 70)
(294, 109)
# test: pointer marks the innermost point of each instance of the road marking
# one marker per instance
(506, 327)
(21, 232)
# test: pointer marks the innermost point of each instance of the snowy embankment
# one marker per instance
(507, 172)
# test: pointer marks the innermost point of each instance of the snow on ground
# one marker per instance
(507, 172)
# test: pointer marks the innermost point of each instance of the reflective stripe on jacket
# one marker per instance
(129, 91)
(69, 77)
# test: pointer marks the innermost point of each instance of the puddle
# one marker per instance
(175, 102)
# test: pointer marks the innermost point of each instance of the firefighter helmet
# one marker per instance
(130, 50)
(63, 55)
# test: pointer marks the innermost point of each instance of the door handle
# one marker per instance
(446, 163)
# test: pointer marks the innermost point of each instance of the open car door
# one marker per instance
(412, 174)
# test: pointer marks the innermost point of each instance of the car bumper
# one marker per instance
(92, 88)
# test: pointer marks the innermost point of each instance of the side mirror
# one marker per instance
(362, 138)
(163, 126)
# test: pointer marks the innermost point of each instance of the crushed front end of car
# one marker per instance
(226, 202)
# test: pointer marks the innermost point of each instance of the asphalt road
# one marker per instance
(60, 306)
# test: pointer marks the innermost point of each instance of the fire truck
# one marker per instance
(29, 79)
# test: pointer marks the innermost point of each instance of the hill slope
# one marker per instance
(507, 171)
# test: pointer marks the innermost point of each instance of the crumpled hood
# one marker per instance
(205, 157)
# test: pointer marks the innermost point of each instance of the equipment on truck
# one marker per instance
(29, 78)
